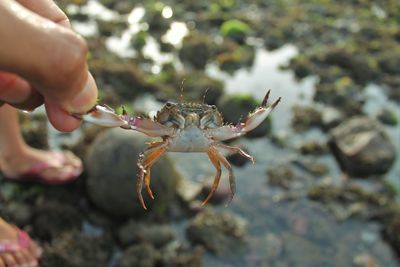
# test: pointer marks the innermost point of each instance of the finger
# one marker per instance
(62, 120)
(13, 89)
(47, 9)
(57, 68)
(18, 92)
(59, 118)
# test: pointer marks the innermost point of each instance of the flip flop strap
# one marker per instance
(38, 168)
(23, 241)
(42, 166)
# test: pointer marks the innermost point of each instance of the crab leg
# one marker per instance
(152, 146)
(253, 120)
(232, 182)
(215, 161)
(144, 164)
(236, 150)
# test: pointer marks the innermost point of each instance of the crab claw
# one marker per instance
(253, 120)
(103, 116)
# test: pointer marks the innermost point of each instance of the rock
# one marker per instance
(235, 57)
(76, 250)
(389, 62)
(34, 130)
(139, 40)
(284, 175)
(235, 108)
(141, 255)
(342, 93)
(388, 117)
(235, 29)
(111, 164)
(305, 118)
(358, 66)
(176, 254)
(331, 117)
(109, 28)
(196, 50)
(188, 190)
(361, 148)
(153, 16)
(156, 234)
(391, 231)
(347, 195)
(313, 148)
(220, 194)
(219, 233)
(19, 213)
(301, 66)
(124, 78)
(365, 260)
(173, 254)
(393, 84)
(199, 87)
(53, 218)
(312, 166)
(281, 175)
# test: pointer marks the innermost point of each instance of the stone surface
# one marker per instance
(218, 232)
(111, 183)
(155, 234)
(141, 255)
(76, 250)
(361, 148)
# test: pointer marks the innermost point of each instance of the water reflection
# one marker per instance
(266, 74)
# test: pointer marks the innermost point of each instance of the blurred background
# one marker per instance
(325, 186)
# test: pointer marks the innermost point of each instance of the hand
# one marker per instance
(43, 61)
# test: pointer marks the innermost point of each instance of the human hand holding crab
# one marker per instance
(183, 127)
(43, 61)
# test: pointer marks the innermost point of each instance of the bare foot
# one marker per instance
(49, 166)
(24, 255)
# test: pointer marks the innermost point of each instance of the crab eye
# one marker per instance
(214, 107)
(169, 105)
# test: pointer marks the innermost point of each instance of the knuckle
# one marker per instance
(75, 60)
(69, 61)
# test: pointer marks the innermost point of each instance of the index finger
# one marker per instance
(47, 9)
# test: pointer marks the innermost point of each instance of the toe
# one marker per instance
(20, 259)
(30, 258)
(34, 250)
(9, 260)
(71, 159)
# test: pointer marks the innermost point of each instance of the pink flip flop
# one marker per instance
(35, 174)
(23, 242)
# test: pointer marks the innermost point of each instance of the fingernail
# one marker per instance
(86, 99)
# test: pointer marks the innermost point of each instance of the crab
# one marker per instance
(184, 127)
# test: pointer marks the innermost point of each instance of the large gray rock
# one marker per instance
(361, 147)
(111, 184)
